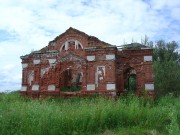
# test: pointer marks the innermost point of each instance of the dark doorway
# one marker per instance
(130, 80)
(70, 80)
(132, 83)
(67, 76)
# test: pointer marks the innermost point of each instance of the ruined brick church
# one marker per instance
(76, 63)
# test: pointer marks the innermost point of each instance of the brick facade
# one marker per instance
(75, 59)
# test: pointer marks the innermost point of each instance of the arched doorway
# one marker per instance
(66, 78)
(132, 83)
(70, 80)
(72, 69)
(130, 80)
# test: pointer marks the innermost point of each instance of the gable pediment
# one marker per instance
(81, 40)
(71, 31)
(75, 31)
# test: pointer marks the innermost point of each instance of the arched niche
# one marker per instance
(130, 79)
(71, 45)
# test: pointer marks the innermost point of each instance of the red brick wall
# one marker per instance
(48, 69)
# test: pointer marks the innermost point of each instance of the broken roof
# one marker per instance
(133, 46)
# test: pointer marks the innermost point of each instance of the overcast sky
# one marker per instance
(27, 25)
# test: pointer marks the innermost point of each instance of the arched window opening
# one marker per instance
(71, 45)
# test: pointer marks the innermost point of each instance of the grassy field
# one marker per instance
(126, 116)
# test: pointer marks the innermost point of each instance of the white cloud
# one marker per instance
(32, 24)
(175, 13)
(10, 77)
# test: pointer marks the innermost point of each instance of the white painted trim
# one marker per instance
(110, 57)
(97, 73)
(111, 86)
(147, 58)
(24, 88)
(90, 86)
(35, 87)
(36, 61)
(51, 87)
(24, 65)
(44, 70)
(91, 58)
(51, 61)
(149, 87)
(30, 77)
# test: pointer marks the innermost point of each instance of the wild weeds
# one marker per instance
(88, 116)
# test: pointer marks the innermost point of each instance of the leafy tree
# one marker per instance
(166, 69)
(167, 77)
(165, 51)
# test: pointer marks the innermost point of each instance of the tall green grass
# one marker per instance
(130, 115)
